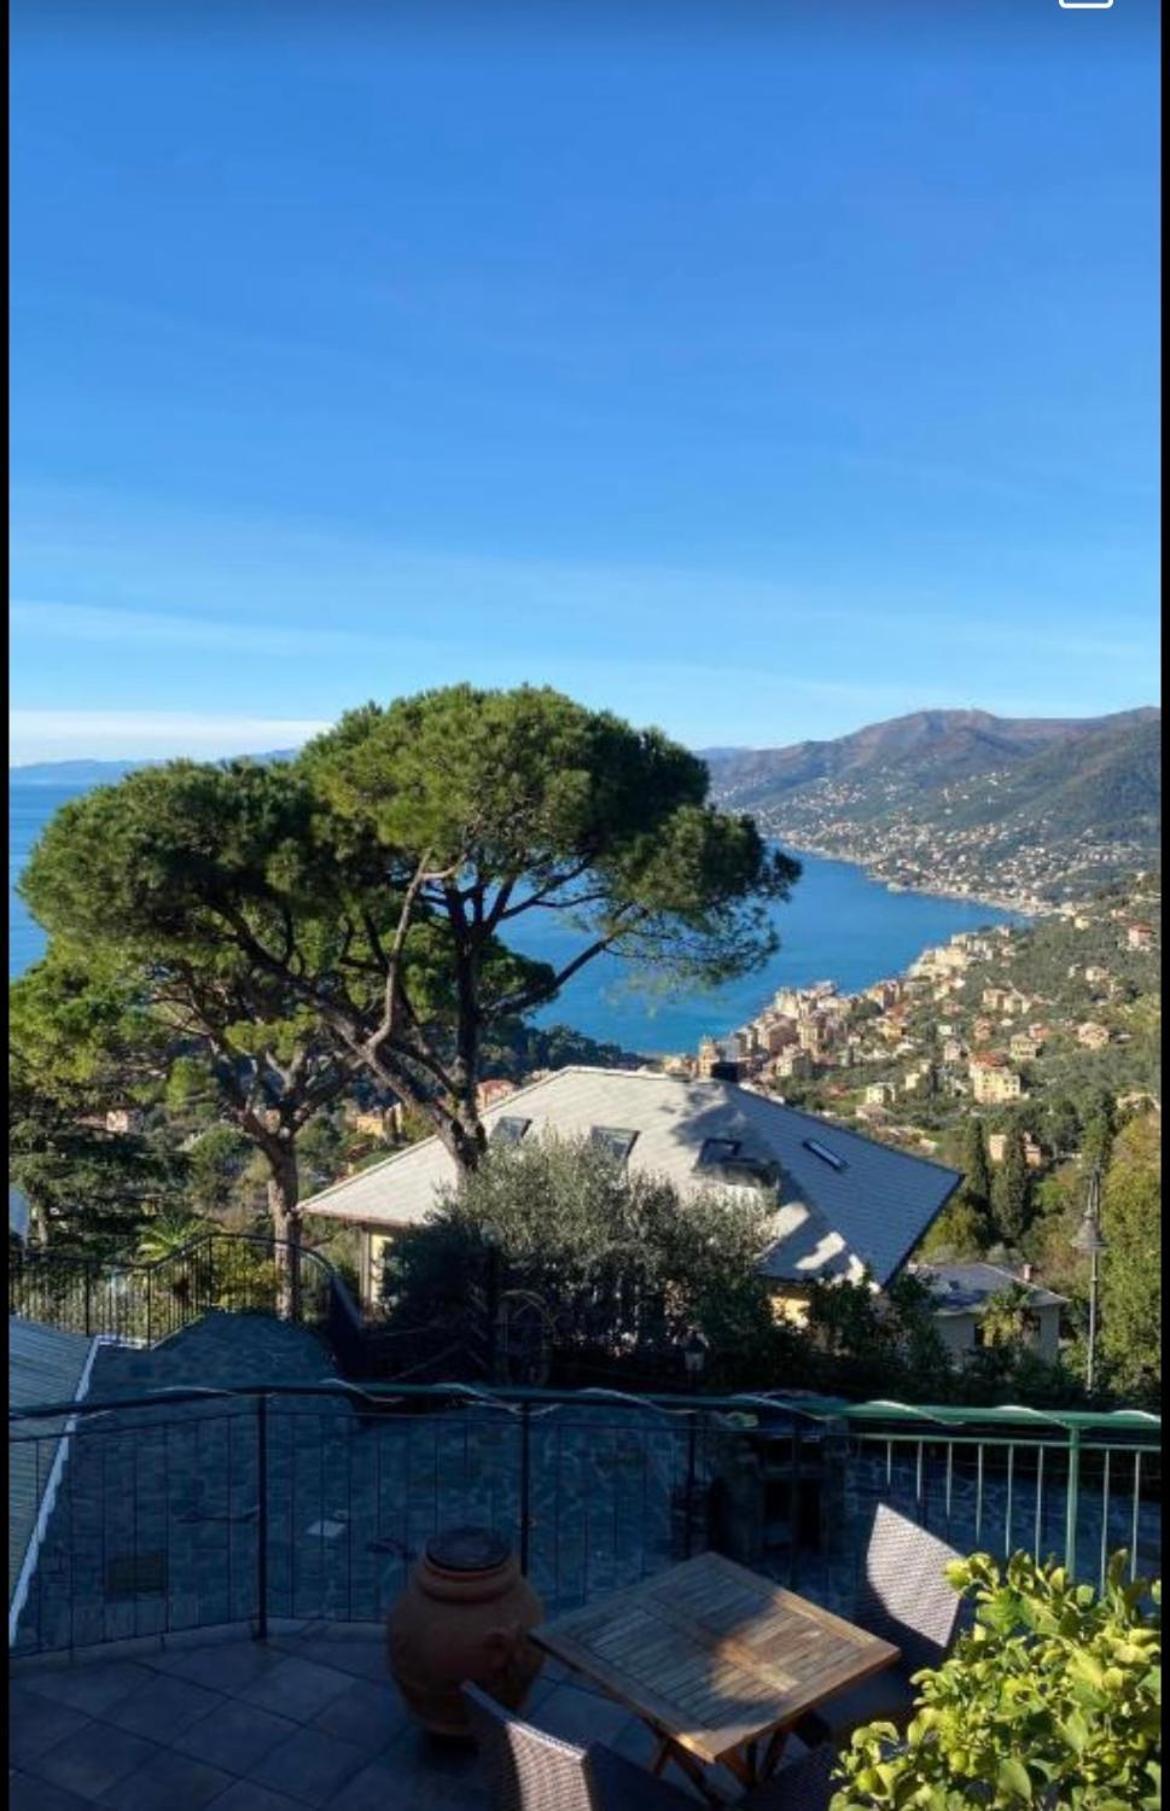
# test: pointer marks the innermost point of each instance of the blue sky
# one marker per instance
(759, 373)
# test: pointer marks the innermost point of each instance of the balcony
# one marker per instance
(226, 1521)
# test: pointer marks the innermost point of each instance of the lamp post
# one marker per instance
(695, 1357)
(1091, 1242)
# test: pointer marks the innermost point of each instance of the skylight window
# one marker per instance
(509, 1130)
(724, 1160)
(826, 1156)
(615, 1139)
(716, 1152)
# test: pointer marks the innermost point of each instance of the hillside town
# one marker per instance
(992, 1019)
(908, 848)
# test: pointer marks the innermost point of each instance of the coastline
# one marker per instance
(1025, 907)
(1028, 912)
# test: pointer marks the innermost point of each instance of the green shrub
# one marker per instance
(1051, 1700)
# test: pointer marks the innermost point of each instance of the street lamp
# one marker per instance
(1091, 1242)
(695, 1356)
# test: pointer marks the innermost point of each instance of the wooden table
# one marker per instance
(717, 1660)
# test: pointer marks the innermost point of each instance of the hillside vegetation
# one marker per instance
(1032, 809)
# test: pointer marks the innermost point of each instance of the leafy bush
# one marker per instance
(1050, 1700)
(614, 1261)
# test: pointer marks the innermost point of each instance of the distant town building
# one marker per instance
(918, 1081)
(494, 1089)
(1035, 1155)
(992, 1082)
(778, 1034)
(1092, 1036)
(1139, 936)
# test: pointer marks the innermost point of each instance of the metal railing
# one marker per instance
(141, 1302)
(188, 1508)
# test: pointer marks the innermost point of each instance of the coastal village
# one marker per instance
(887, 829)
(991, 1019)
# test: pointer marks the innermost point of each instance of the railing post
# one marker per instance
(795, 1508)
(149, 1307)
(689, 1488)
(1071, 1502)
(88, 1308)
(262, 1518)
(525, 1483)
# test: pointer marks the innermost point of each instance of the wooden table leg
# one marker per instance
(668, 1751)
(773, 1752)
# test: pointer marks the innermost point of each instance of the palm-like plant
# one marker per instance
(167, 1233)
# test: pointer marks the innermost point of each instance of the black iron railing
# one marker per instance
(141, 1302)
(197, 1507)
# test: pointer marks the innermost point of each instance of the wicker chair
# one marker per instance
(528, 1770)
(906, 1599)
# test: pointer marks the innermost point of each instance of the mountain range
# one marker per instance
(966, 801)
(80, 775)
(1025, 808)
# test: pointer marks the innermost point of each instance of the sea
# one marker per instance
(839, 925)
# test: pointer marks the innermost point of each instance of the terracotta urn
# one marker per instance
(465, 1614)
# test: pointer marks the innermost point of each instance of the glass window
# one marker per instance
(826, 1156)
(716, 1152)
(509, 1130)
(615, 1139)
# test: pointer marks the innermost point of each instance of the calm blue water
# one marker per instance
(839, 926)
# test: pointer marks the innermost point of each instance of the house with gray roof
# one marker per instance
(49, 1366)
(843, 1205)
(962, 1293)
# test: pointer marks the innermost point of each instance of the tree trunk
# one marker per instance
(283, 1198)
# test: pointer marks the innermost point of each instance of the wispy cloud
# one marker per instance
(141, 628)
(142, 735)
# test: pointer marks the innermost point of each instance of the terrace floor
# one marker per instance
(305, 1719)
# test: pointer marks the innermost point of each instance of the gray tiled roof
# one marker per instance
(960, 1288)
(870, 1212)
(44, 1365)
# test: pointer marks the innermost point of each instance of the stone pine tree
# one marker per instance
(140, 978)
(1012, 1190)
(493, 810)
(379, 880)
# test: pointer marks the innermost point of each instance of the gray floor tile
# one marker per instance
(246, 1795)
(224, 1667)
(368, 1714)
(363, 1657)
(93, 1759)
(94, 1688)
(295, 1688)
(28, 1794)
(36, 1724)
(381, 1786)
(168, 1782)
(234, 1736)
(164, 1707)
(310, 1767)
(434, 1757)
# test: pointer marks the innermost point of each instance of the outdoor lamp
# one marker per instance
(1091, 1242)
